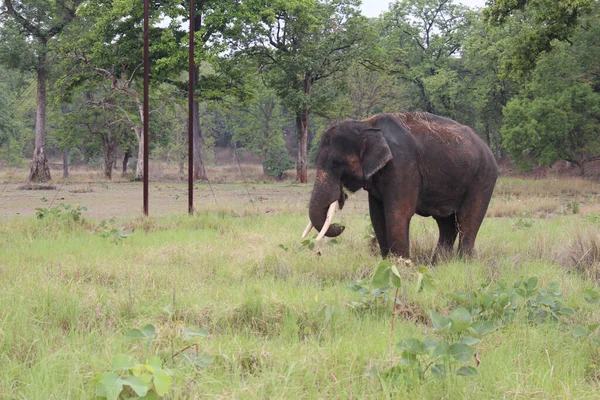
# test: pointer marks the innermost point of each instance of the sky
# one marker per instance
(372, 8)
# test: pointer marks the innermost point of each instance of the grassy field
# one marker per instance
(281, 320)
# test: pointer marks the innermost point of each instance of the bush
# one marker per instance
(277, 161)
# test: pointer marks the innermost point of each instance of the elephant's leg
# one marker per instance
(378, 221)
(448, 232)
(470, 217)
(398, 224)
(398, 213)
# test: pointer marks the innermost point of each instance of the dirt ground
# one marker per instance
(124, 200)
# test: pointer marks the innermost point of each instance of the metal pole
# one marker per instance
(146, 100)
(191, 112)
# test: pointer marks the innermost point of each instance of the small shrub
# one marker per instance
(111, 230)
(63, 211)
(277, 161)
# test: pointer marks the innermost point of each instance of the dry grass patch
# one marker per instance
(507, 207)
(582, 254)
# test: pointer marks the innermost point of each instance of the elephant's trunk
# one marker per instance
(327, 190)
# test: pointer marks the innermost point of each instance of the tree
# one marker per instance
(423, 38)
(11, 143)
(542, 23)
(109, 55)
(40, 22)
(486, 87)
(558, 115)
(300, 43)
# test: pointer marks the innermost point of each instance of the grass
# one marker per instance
(281, 323)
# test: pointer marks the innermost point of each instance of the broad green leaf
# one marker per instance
(591, 296)
(414, 346)
(580, 331)
(554, 289)
(461, 319)
(442, 351)
(110, 386)
(430, 344)
(593, 327)
(122, 361)
(136, 384)
(381, 278)
(483, 327)
(567, 311)
(439, 371)
(395, 277)
(155, 362)
(134, 334)
(189, 333)
(532, 283)
(466, 371)
(546, 301)
(440, 322)
(162, 382)
(149, 331)
(461, 352)
(469, 340)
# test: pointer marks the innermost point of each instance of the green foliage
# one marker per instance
(147, 380)
(449, 353)
(536, 34)
(65, 212)
(111, 230)
(525, 298)
(277, 161)
(151, 379)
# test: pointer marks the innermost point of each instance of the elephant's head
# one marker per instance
(349, 155)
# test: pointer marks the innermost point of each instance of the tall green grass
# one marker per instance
(281, 322)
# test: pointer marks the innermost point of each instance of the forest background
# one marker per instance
(272, 75)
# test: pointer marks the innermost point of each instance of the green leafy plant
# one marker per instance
(111, 230)
(151, 379)
(524, 221)
(307, 245)
(65, 212)
(450, 352)
(128, 378)
(524, 297)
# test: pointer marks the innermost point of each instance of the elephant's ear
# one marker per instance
(375, 152)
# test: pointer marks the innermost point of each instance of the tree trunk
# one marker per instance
(139, 167)
(302, 129)
(302, 164)
(40, 170)
(116, 157)
(199, 170)
(126, 158)
(65, 164)
(109, 147)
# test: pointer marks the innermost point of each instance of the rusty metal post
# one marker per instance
(146, 100)
(191, 111)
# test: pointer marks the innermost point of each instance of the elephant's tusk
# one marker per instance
(328, 220)
(308, 228)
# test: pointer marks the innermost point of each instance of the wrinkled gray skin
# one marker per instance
(409, 163)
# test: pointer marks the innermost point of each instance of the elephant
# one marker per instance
(409, 163)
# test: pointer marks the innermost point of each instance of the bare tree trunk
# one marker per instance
(109, 147)
(199, 170)
(65, 164)
(40, 170)
(116, 158)
(302, 164)
(139, 167)
(126, 158)
(302, 129)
